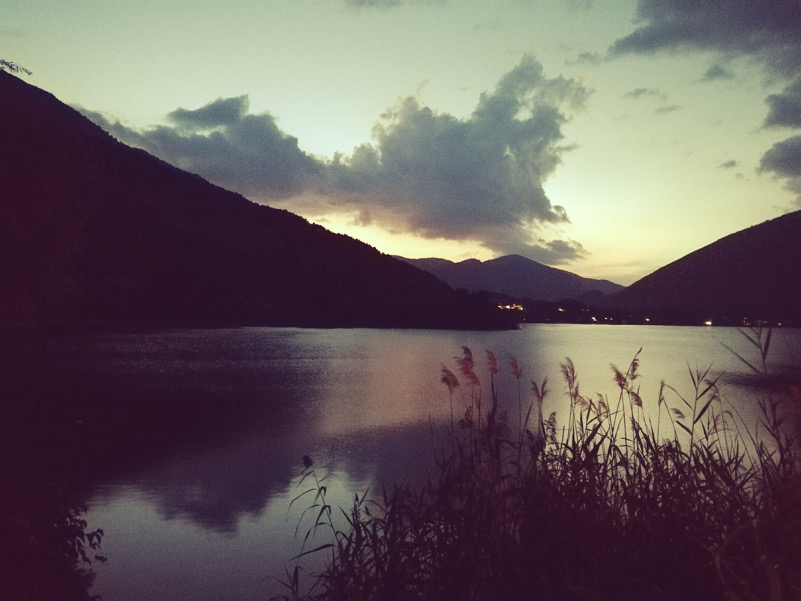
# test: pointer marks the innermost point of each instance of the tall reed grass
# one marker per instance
(687, 502)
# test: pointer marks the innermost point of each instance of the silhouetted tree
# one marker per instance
(13, 67)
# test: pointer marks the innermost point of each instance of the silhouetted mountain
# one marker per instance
(514, 276)
(753, 274)
(94, 230)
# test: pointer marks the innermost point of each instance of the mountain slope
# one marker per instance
(514, 276)
(754, 273)
(92, 229)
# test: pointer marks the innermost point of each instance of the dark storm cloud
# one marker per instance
(784, 110)
(478, 178)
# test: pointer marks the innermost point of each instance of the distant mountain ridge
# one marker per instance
(93, 230)
(515, 276)
(754, 273)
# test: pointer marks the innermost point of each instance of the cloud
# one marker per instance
(427, 172)
(639, 92)
(554, 252)
(669, 108)
(477, 178)
(221, 112)
(715, 72)
(784, 110)
(729, 164)
(784, 161)
(767, 32)
(784, 158)
(243, 152)
(586, 58)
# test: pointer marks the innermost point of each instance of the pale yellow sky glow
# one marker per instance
(650, 158)
(402, 243)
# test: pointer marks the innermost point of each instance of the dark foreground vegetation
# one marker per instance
(47, 549)
(683, 501)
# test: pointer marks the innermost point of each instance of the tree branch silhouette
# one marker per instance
(13, 67)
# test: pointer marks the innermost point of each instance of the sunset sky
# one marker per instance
(605, 137)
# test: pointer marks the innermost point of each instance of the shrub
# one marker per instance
(608, 505)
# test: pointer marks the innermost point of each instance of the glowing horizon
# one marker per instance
(568, 132)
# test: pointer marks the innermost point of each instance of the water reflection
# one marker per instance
(219, 487)
(47, 548)
(188, 442)
(228, 511)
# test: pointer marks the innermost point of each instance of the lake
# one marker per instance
(195, 438)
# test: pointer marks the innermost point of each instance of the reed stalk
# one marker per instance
(605, 506)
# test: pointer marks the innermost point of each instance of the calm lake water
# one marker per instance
(201, 433)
